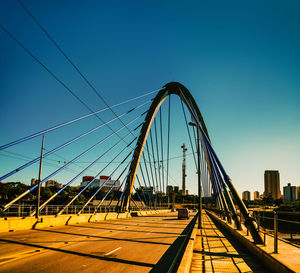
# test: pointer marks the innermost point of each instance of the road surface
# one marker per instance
(123, 245)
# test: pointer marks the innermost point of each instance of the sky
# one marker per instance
(239, 59)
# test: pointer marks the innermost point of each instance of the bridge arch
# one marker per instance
(172, 88)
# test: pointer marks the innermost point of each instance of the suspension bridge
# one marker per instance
(141, 234)
(105, 188)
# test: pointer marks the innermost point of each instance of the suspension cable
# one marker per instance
(86, 168)
(158, 163)
(64, 166)
(143, 191)
(162, 149)
(63, 125)
(73, 65)
(168, 147)
(100, 187)
(111, 187)
(65, 144)
(63, 84)
(187, 127)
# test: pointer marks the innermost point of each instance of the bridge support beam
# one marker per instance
(232, 208)
(249, 221)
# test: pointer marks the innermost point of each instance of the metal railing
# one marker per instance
(269, 223)
(272, 223)
(24, 210)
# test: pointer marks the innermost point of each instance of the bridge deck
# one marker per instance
(213, 252)
(123, 245)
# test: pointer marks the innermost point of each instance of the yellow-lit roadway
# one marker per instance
(124, 245)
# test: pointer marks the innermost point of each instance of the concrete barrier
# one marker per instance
(16, 223)
(186, 261)
(265, 258)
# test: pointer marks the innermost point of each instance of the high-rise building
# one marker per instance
(256, 195)
(246, 195)
(272, 184)
(289, 193)
(298, 193)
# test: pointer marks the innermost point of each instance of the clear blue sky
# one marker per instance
(239, 59)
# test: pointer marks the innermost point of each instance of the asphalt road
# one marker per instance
(124, 245)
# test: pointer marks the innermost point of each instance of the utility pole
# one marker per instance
(183, 168)
(37, 214)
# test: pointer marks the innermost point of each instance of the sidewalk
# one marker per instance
(214, 253)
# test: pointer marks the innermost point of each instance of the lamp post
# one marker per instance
(199, 177)
(37, 214)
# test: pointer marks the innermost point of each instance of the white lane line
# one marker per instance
(112, 251)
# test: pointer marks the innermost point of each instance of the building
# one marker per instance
(289, 193)
(33, 182)
(246, 195)
(87, 178)
(256, 195)
(272, 184)
(105, 181)
(169, 189)
(52, 183)
(298, 193)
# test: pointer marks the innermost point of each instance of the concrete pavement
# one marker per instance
(123, 245)
(213, 252)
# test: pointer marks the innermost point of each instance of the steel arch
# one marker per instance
(174, 88)
(181, 91)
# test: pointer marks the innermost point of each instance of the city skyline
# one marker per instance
(240, 61)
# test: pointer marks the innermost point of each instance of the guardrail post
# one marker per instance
(275, 232)
(258, 221)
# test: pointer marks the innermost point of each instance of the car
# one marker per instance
(183, 213)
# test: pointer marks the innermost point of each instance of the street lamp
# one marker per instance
(199, 175)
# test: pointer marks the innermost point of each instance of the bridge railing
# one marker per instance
(277, 223)
(288, 222)
(271, 223)
(24, 210)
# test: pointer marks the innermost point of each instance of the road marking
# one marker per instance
(112, 251)
(16, 256)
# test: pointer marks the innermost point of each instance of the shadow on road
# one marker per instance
(111, 238)
(129, 230)
(111, 259)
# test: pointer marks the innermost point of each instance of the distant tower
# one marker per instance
(256, 195)
(272, 184)
(183, 168)
(246, 195)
